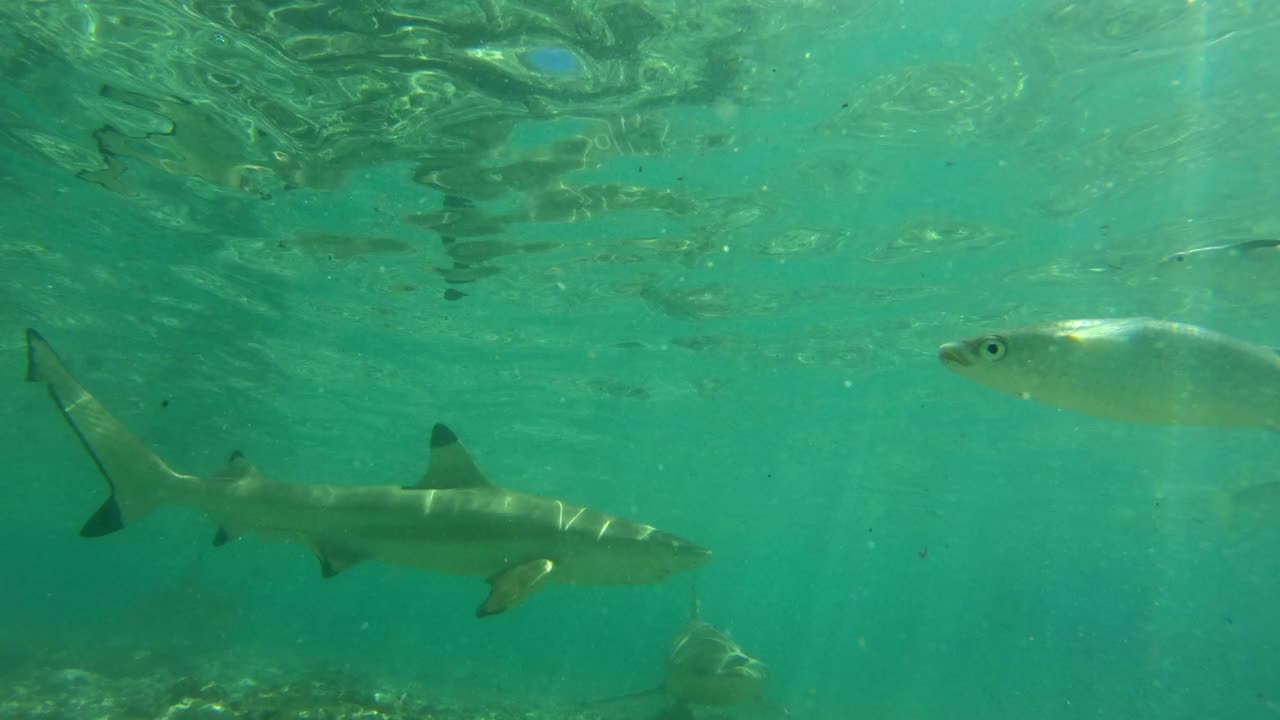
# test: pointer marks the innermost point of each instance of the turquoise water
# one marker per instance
(706, 255)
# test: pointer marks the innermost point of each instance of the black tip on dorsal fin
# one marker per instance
(442, 436)
(104, 521)
(450, 467)
(238, 466)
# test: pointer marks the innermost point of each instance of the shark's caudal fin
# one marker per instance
(135, 476)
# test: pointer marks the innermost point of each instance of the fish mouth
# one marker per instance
(953, 354)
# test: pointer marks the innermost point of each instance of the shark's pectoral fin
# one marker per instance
(514, 585)
(335, 560)
(222, 537)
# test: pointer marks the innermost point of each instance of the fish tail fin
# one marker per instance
(136, 477)
(1222, 506)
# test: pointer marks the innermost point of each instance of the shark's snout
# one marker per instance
(700, 555)
(689, 555)
(953, 353)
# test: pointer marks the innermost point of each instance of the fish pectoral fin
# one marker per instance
(514, 585)
(335, 560)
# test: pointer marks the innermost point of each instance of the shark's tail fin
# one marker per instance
(136, 477)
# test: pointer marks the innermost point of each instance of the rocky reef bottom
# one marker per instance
(35, 690)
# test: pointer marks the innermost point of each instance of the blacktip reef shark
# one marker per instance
(707, 667)
(1132, 369)
(453, 521)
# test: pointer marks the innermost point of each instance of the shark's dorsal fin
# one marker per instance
(450, 467)
(238, 467)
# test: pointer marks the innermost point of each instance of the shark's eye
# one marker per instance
(993, 347)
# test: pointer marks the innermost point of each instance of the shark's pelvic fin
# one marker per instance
(451, 467)
(136, 477)
(514, 585)
(221, 537)
(335, 560)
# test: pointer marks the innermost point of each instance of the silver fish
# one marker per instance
(1133, 369)
(1237, 250)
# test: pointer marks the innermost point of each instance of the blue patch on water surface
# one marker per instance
(552, 60)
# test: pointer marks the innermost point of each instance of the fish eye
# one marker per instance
(993, 347)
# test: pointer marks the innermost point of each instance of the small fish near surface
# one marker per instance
(1132, 369)
(454, 521)
(707, 667)
(1248, 268)
(1247, 249)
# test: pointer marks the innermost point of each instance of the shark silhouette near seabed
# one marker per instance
(453, 521)
(707, 667)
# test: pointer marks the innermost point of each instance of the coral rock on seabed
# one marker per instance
(43, 693)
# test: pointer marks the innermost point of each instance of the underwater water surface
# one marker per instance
(686, 263)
